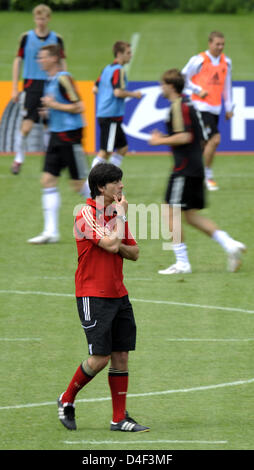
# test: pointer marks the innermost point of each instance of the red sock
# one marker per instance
(78, 381)
(118, 382)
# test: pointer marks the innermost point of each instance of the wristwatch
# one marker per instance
(122, 217)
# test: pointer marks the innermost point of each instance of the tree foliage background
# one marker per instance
(185, 6)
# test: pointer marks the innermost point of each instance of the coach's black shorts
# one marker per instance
(112, 135)
(66, 151)
(186, 191)
(211, 122)
(108, 323)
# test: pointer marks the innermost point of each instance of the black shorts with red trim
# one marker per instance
(112, 135)
(65, 151)
(186, 191)
(211, 122)
(108, 323)
(33, 90)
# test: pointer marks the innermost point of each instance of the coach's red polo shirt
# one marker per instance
(99, 273)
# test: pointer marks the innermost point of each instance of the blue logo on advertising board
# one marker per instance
(151, 111)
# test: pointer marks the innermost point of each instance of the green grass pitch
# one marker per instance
(166, 40)
(186, 347)
(191, 376)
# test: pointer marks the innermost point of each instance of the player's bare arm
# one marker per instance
(43, 112)
(120, 93)
(74, 108)
(203, 93)
(181, 138)
(229, 115)
(130, 252)
(112, 241)
(15, 78)
(63, 65)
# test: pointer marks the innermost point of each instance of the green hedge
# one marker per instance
(215, 6)
(185, 6)
(146, 5)
(4, 4)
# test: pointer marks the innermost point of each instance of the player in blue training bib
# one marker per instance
(63, 106)
(33, 77)
(111, 91)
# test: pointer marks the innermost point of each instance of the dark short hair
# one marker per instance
(174, 77)
(54, 50)
(120, 46)
(102, 174)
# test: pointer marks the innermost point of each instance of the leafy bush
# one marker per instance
(185, 6)
(223, 6)
(193, 6)
(215, 6)
(28, 5)
(4, 4)
(145, 5)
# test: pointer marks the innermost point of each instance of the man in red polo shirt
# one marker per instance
(103, 240)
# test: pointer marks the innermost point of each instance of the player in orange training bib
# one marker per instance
(208, 80)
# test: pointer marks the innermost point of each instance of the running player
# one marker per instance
(186, 184)
(208, 77)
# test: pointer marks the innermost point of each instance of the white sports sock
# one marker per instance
(97, 160)
(85, 190)
(181, 254)
(20, 148)
(208, 173)
(223, 239)
(46, 136)
(51, 203)
(116, 159)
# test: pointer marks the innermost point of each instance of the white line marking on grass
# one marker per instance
(151, 301)
(183, 304)
(138, 395)
(222, 340)
(53, 277)
(50, 403)
(72, 277)
(20, 339)
(134, 45)
(32, 292)
(5, 176)
(160, 441)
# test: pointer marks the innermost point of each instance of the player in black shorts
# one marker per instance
(34, 77)
(111, 91)
(65, 151)
(115, 331)
(111, 135)
(63, 107)
(186, 184)
(103, 242)
(211, 122)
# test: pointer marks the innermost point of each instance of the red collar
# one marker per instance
(110, 210)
